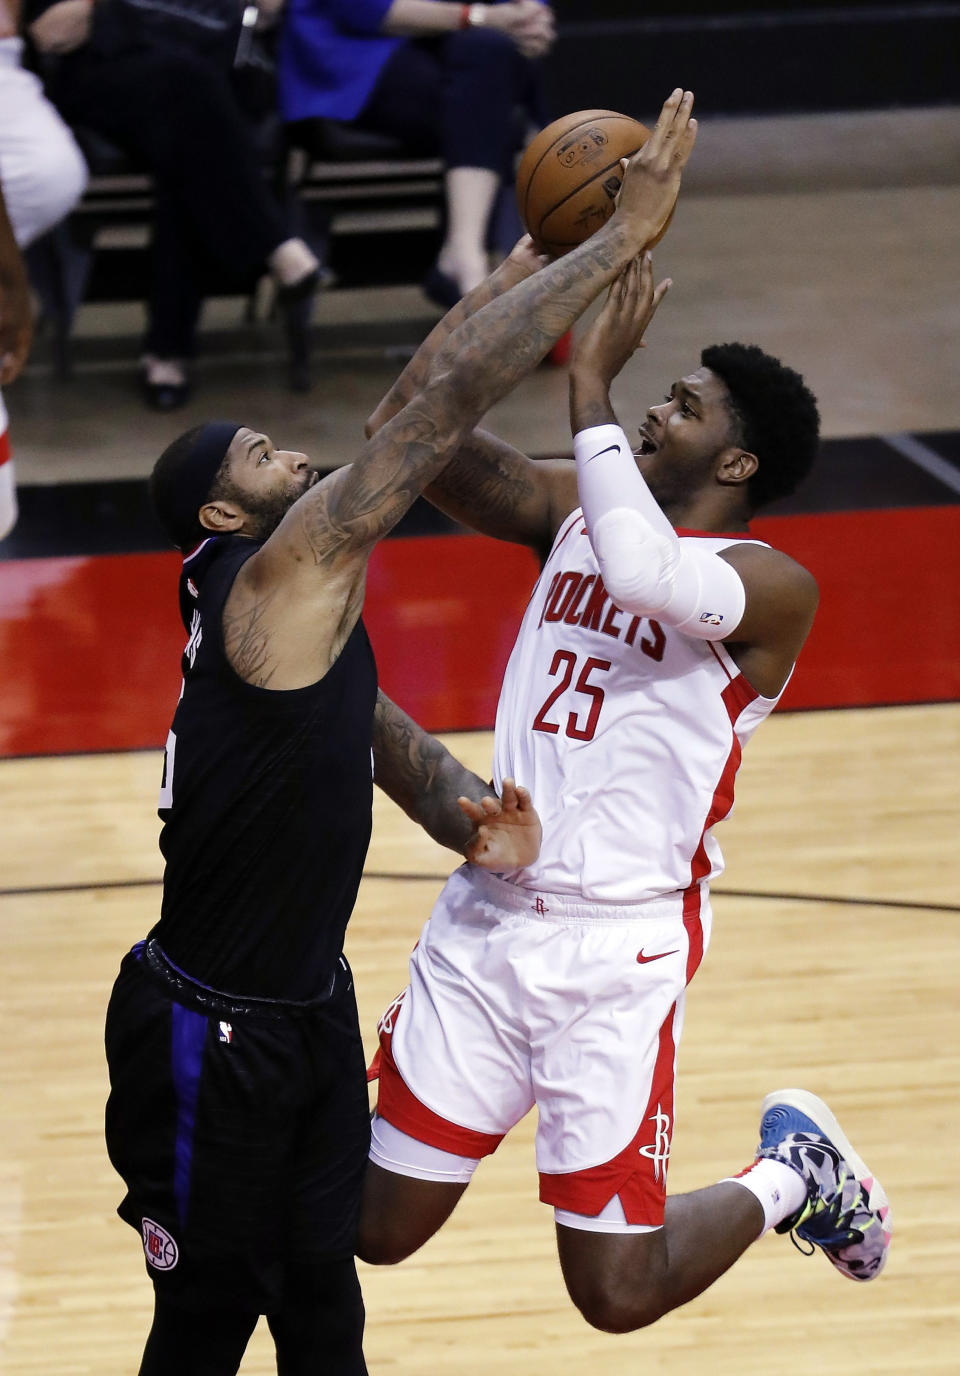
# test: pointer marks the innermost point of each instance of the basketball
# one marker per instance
(569, 176)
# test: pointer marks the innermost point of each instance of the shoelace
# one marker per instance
(830, 1226)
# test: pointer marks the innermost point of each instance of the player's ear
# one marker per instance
(221, 516)
(736, 466)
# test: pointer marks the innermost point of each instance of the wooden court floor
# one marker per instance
(834, 965)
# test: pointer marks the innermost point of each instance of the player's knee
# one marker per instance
(617, 1305)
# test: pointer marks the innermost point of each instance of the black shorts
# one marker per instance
(240, 1130)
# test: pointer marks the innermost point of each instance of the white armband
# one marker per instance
(646, 569)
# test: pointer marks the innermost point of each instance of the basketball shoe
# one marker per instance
(846, 1213)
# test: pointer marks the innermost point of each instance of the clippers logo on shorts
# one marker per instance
(161, 1251)
(711, 618)
(658, 1151)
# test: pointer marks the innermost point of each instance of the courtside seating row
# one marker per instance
(372, 213)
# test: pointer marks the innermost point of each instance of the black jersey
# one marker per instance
(266, 803)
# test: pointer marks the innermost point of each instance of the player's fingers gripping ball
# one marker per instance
(570, 175)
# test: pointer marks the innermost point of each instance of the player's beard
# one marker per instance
(269, 511)
(266, 510)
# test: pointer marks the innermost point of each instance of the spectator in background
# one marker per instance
(42, 174)
(155, 79)
(437, 76)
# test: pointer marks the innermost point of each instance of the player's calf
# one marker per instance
(618, 1281)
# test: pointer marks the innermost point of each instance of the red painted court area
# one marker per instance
(90, 647)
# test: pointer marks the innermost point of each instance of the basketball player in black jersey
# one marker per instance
(238, 1110)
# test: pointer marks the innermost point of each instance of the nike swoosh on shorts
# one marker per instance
(645, 960)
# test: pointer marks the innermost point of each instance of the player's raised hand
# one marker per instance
(617, 331)
(651, 180)
(508, 831)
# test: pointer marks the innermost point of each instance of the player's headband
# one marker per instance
(183, 476)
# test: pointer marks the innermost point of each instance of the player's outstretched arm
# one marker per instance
(493, 349)
(334, 526)
(521, 262)
(488, 484)
(450, 802)
(602, 351)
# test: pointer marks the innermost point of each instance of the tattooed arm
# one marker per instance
(305, 585)
(488, 485)
(453, 805)
(521, 263)
(487, 354)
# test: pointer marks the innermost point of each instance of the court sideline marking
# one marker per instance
(846, 901)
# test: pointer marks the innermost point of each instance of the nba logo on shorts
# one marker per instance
(159, 1247)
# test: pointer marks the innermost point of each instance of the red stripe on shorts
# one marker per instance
(398, 1105)
(638, 1174)
(4, 446)
(694, 929)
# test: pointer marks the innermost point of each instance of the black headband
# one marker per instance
(183, 476)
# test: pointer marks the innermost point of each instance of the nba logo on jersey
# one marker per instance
(159, 1247)
(226, 1032)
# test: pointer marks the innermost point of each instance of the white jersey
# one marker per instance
(627, 733)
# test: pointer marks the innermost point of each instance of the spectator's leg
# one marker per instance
(457, 96)
(471, 194)
(176, 299)
(486, 80)
(177, 115)
(41, 168)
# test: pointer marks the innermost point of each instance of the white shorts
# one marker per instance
(519, 998)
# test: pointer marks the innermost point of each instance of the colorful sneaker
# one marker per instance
(846, 1213)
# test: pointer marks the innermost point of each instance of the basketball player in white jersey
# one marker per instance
(658, 637)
